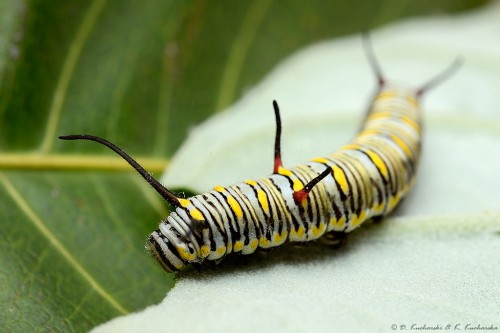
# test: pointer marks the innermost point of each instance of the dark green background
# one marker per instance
(143, 74)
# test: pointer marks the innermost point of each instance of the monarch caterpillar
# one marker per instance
(330, 195)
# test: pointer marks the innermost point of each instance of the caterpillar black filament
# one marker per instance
(328, 195)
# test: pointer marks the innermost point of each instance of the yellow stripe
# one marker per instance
(235, 206)
(204, 251)
(196, 214)
(276, 238)
(410, 122)
(411, 99)
(358, 219)
(318, 231)
(339, 224)
(368, 132)
(402, 145)
(340, 177)
(380, 114)
(378, 162)
(379, 208)
(321, 160)
(254, 243)
(219, 188)
(184, 202)
(301, 232)
(297, 184)
(348, 147)
(220, 251)
(284, 172)
(186, 255)
(262, 197)
(238, 246)
(385, 95)
(393, 201)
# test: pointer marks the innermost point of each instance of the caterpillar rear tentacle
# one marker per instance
(436, 80)
(333, 194)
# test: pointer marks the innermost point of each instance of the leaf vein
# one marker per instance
(42, 227)
(239, 50)
(68, 68)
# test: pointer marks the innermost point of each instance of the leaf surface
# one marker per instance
(432, 265)
(139, 74)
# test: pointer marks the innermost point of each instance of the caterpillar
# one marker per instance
(330, 195)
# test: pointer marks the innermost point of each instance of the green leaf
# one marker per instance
(139, 74)
(433, 263)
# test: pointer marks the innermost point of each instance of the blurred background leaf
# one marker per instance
(139, 74)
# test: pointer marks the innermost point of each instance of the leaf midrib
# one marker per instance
(36, 161)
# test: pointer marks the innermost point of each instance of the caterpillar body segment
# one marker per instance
(363, 179)
(330, 195)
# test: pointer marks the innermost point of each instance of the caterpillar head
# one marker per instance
(177, 242)
(164, 252)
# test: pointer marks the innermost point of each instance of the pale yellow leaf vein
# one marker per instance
(68, 68)
(40, 225)
(31, 161)
(239, 51)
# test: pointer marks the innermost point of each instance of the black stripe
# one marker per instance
(259, 230)
(238, 196)
(312, 197)
(211, 221)
(375, 165)
(250, 210)
(280, 208)
(234, 229)
(380, 195)
(212, 201)
(300, 208)
(164, 260)
(294, 224)
(360, 187)
(343, 197)
(318, 199)
(336, 209)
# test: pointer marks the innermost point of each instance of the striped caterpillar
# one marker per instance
(330, 195)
